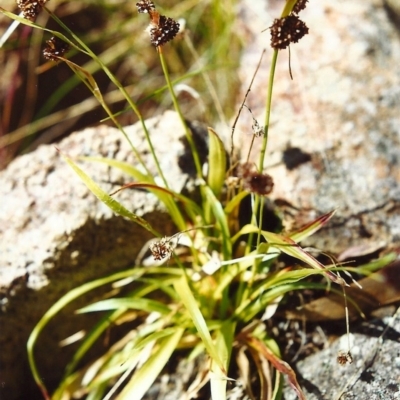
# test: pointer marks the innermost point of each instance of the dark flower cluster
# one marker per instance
(31, 9)
(344, 358)
(254, 181)
(161, 249)
(146, 6)
(300, 5)
(289, 29)
(162, 29)
(55, 49)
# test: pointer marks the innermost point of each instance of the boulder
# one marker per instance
(56, 235)
(373, 374)
(334, 134)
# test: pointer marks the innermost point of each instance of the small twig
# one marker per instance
(290, 64)
(243, 103)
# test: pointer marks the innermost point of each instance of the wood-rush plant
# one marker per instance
(210, 301)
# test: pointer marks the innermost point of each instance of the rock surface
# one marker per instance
(56, 235)
(339, 116)
(373, 374)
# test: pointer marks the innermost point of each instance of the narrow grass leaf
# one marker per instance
(309, 229)
(217, 163)
(87, 78)
(288, 246)
(27, 22)
(126, 303)
(224, 345)
(221, 218)
(233, 271)
(235, 202)
(124, 166)
(166, 196)
(190, 303)
(90, 339)
(107, 199)
(125, 355)
(279, 364)
(154, 336)
(265, 294)
(142, 380)
(169, 198)
(376, 264)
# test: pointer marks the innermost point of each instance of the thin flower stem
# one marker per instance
(268, 109)
(189, 136)
(285, 12)
(250, 148)
(259, 202)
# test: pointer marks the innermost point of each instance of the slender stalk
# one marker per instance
(268, 109)
(188, 134)
(241, 108)
(285, 12)
(259, 202)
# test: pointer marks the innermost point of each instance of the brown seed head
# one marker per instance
(300, 5)
(31, 8)
(162, 29)
(344, 357)
(254, 181)
(287, 30)
(55, 49)
(145, 6)
(161, 249)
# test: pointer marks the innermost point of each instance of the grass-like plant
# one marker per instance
(211, 299)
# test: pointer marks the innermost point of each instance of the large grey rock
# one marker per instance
(56, 235)
(341, 110)
(374, 373)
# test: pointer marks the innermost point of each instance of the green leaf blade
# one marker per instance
(217, 163)
(107, 199)
(182, 287)
(142, 380)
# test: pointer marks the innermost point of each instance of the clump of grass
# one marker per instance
(210, 298)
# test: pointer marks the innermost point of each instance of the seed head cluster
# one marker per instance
(55, 49)
(161, 249)
(254, 181)
(162, 29)
(31, 8)
(289, 29)
(344, 357)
